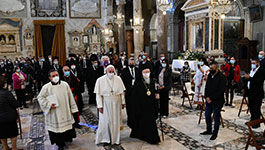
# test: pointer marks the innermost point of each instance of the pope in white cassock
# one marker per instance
(58, 104)
(109, 90)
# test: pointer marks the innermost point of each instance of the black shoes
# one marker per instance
(78, 126)
(213, 137)
(206, 133)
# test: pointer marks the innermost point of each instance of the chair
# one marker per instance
(19, 124)
(256, 141)
(203, 109)
(188, 93)
(244, 101)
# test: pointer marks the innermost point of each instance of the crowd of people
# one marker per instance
(113, 83)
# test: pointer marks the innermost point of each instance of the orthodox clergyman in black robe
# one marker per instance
(144, 109)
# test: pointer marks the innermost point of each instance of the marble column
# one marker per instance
(161, 33)
(121, 30)
(138, 34)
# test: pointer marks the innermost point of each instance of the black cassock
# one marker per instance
(144, 112)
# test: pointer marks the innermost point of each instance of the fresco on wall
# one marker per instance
(48, 8)
(85, 8)
(13, 9)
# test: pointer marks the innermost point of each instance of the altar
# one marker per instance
(177, 64)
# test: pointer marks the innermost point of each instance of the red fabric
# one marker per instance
(17, 81)
(226, 69)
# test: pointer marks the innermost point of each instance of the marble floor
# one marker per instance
(181, 130)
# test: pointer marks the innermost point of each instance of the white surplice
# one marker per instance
(59, 119)
(198, 79)
(110, 97)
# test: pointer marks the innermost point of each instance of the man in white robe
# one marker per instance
(58, 104)
(200, 81)
(109, 90)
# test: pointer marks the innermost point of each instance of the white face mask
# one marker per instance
(72, 67)
(5, 86)
(56, 79)
(56, 62)
(146, 75)
(201, 63)
(110, 75)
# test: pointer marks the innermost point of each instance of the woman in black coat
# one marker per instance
(164, 80)
(8, 115)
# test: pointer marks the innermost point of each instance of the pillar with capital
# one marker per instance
(119, 19)
(137, 25)
(161, 32)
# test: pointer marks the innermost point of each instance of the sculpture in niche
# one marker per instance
(2, 39)
(95, 43)
(76, 45)
(11, 39)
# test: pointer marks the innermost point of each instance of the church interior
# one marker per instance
(181, 29)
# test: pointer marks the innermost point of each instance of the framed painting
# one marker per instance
(255, 13)
(48, 8)
(83, 9)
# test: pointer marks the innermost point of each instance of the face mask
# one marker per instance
(122, 58)
(213, 71)
(201, 63)
(162, 58)
(5, 86)
(143, 57)
(95, 64)
(18, 70)
(131, 65)
(106, 63)
(73, 67)
(110, 75)
(232, 61)
(253, 66)
(185, 66)
(67, 73)
(260, 56)
(42, 60)
(164, 65)
(50, 59)
(56, 62)
(146, 75)
(55, 79)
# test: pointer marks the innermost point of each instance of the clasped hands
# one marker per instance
(101, 109)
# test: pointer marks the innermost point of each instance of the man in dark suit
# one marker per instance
(122, 64)
(214, 93)
(158, 65)
(94, 72)
(255, 89)
(128, 76)
(262, 59)
(41, 68)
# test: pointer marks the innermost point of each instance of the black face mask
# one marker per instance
(131, 66)
(213, 72)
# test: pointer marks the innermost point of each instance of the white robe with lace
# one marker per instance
(59, 119)
(110, 97)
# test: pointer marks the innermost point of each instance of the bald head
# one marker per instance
(66, 68)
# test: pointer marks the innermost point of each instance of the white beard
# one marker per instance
(147, 80)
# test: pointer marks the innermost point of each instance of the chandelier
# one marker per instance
(137, 24)
(164, 5)
(107, 32)
(222, 7)
(119, 19)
